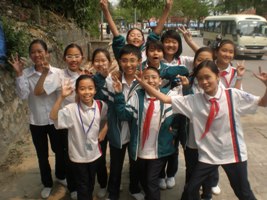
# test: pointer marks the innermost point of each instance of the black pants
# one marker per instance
(101, 172)
(40, 136)
(191, 160)
(236, 173)
(85, 179)
(149, 176)
(171, 166)
(116, 165)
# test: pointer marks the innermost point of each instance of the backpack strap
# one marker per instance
(99, 104)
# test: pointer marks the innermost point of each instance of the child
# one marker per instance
(134, 36)
(41, 126)
(219, 144)
(172, 44)
(230, 77)
(101, 61)
(151, 140)
(118, 131)
(82, 119)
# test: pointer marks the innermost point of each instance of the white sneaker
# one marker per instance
(162, 184)
(73, 195)
(46, 192)
(138, 196)
(62, 181)
(101, 192)
(216, 190)
(170, 182)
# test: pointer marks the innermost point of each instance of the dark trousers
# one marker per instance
(149, 170)
(191, 160)
(40, 136)
(101, 172)
(85, 179)
(171, 166)
(116, 164)
(236, 173)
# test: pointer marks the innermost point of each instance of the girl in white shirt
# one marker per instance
(217, 127)
(82, 119)
(41, 126)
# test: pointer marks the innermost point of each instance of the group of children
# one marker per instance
(156, 100)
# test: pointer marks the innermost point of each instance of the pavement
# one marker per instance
(22, 182)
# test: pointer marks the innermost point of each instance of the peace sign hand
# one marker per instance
(117, 84)
(240, 69)
(261, 76)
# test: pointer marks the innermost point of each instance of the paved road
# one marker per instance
(23, 182)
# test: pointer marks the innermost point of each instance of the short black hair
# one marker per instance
(154, 43)
(208, 64)
(176, 36)
(130, 49)
(38, 41)
(83, 77)
(152, 68)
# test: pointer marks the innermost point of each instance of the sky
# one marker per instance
(114, 2)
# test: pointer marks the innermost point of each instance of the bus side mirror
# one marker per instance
(238, 31)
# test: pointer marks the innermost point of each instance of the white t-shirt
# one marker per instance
(224, 143)
(229, 79)
(83, 124)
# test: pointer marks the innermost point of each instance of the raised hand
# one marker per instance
(240, 69)
(67, 88)
(169, 4)
(17, 63)
(103, 4)
(187, 35)
(117, 84)
(261, 76)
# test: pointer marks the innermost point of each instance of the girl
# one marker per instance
(101, 61)
(82, 119)
(219, 144)
(151, 140)
(230, 76)
(41, 126)
(134, 36)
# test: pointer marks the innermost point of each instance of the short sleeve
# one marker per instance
(246, 102)
(64, 119)
(182, 105)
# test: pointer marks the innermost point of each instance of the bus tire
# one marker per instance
(259, 56)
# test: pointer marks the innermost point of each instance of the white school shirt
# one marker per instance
(230, 77)
(39, 106)
(224, 143)
(150, 148)
(83, 146)
(182, 60)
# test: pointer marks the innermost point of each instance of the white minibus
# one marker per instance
(248, 32)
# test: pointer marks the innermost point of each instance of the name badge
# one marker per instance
(89, 147)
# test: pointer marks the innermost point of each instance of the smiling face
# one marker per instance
(208, 80)
(135, 37)
(86, 91)
(225, 54)
(129, 63)
(151, 77)
(38, 54)
(73, 59)
(170, 46)
(101, 62)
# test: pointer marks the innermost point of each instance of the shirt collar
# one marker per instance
(33, 71)
(217, 96)
(85, 107)
(123, 80)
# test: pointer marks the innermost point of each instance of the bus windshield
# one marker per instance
(252, 28)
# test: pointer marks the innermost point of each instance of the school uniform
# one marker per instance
(83, 124)
(182, 60)
(119, 42)
(119, 136)
(223, 144)
(228, 76)
(40, 124)
(150, 155)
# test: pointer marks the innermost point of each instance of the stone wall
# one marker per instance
(13, 111)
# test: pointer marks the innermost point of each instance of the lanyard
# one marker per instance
(90, 126)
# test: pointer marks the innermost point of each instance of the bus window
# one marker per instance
(217, 27)
(211, 26)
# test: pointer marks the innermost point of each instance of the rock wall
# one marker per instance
(13, 111)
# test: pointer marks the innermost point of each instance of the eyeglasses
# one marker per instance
(73, 56)
(126, 61)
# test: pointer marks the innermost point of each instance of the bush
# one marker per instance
(17, 40)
